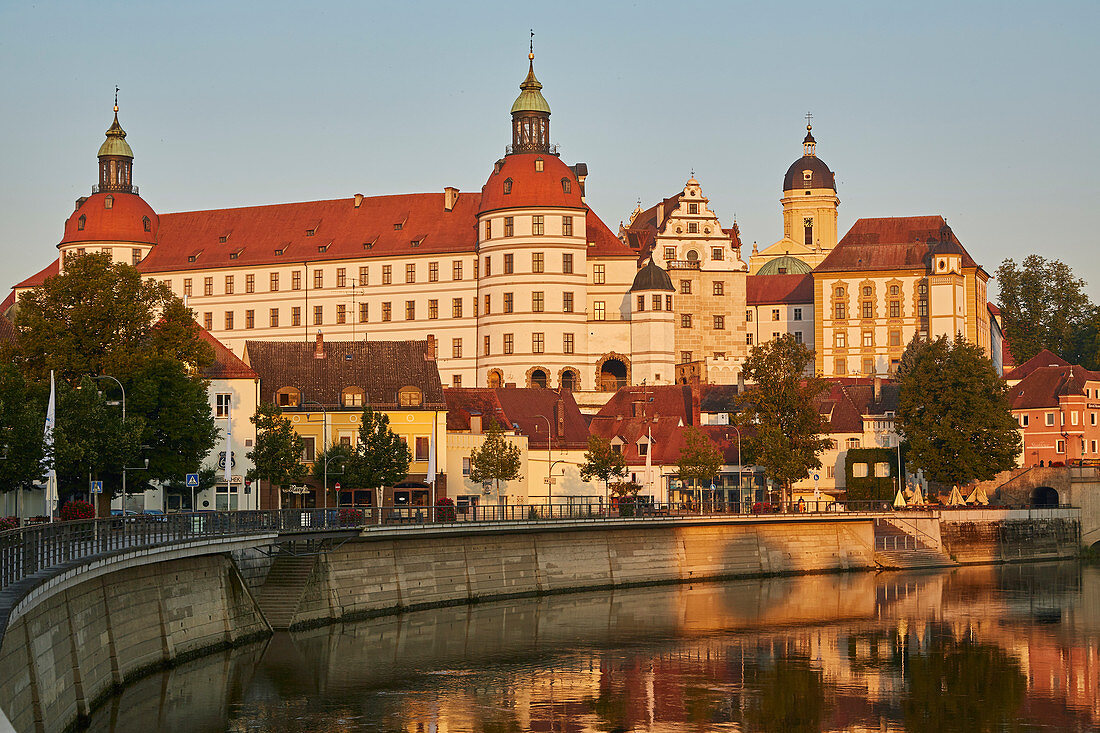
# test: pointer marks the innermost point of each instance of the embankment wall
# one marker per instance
(979, 536)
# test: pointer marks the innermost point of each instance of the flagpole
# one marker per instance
(51, 475)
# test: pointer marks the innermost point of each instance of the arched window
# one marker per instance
(109, 202)
(81, 222)
(569, 380)
(507, 186)
(145, 222)
(538, 378)
(288, 397)
(410, 397)
(351, 397)
(496, 379)
(566, 185)
(692, 256)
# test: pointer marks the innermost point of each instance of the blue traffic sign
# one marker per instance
(97, 487)
(192, 480)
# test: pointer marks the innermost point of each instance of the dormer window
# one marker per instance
(643, 449)
(507, 186)
(81, 222)
(310, 232)
(538, 164)
(144, 223)
(322, 248)
(222, 239)
(288, 397)
(566, 186)
(351, 397)
(410, 397)
(278, 252)
(415, 242)
(234, 255)
(399, 226)
(109, 202)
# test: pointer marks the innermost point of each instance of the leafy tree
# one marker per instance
(102, 318)
(338, 456)
(788, 432)
(22, 419)
(700, 460)
(381, 458)
(953, 412)
(497, 460)
(603, 462)
(277, 453)
(1044, 306)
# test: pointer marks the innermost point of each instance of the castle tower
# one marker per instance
(946, 288)
(810, 201)
(652, 324)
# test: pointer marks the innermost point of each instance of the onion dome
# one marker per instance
(785, 265)
(530, 97)
(809, 171)
(528, 180)
(116, 144)
(652, 277)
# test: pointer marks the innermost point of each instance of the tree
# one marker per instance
(277, 454)
(781, 409)
(22, 419)
(1044, 306)
(381, 458)
(338, 455)
(953, 412)
(497, 460)
(602, 461)
(700, 460)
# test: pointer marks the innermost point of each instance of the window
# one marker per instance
(922, 308)
(80, 223)
(895, 338)
(135, 254)
(364, 312)
(507, 186)
(599, 274)
(109, 202)
(567, 343)
(537, 302)
(894, 290)
(670, 253)
(798, 337)
(208, 286)
(797, 314)
(808, 231)
(718, 288)
(748, 316)
(318, 279)
(273, 317)
(1023, 421)
(868, 366)
(717, 254)
(851, 443)
(656, 302)
(489, 229)
(566, 185)
(1073, 417)
(296, 280)
(387, 311)
(839, 312)
(840, 339)
(465, 466)
(868, 338)
(288, 397)
(509, 228)
(1060, 446)
(309, 449)
(221, 405)
(538, 265)
(748, 339)
(274, 282)
(775, 314)
(410, 310)
(186, 286)
(318, 315)
(567, 302)
(250, 319)
(410, 397)
(229, 320)
(488, 304)
(538, 343)
(433, 309)
(1092, 418)
(208, 321)
(508, 304)
(456, 348)
(296, 315)
(599, 311)
(421, 448)
(509, 343)
(250, 283)
(387, 274)
(868, 309)
(693, 208)
(228, 284)
(410, 272)
(685, 320)
(351, 397)
(859, 470)
(685, 287)
(719, 323)
(693, 227)
(895, 309)
(488, 346)
(1050, 418)
(567, 230)
(538, 224)
(668, 302)
(641, 303)
(456, 270)
(456, 380)
(685, 357)
(840, 367)
(567, 263)
(433, 272)
(509, 264)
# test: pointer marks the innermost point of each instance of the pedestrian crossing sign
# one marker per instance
(192, 480)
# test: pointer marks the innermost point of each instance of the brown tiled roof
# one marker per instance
(891, 243)
(1045, 384)
(7, 329)
(775, 289)
(379, 368)
(601, 241)
(1044, 358)
(226, 365)
(523, 409)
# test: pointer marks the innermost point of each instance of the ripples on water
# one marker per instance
(1004, 648)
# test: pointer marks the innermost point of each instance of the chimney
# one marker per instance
(694, 417)
(559, 414)
(429, 355)
(450, 197)
(475, 423)
(740, 382)
(319, 346)
(580, 170)
(878, 389)
(358, 200)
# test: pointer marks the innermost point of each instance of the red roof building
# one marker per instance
(1058, 408)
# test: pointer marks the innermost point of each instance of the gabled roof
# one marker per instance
(379, 368)
(776, 289)
(601, 241)
(1045, 358)
(891, 243)
(226, 364)
(41, 276)
(526, 409)
(1045, 384)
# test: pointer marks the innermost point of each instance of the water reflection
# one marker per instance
(970, 649)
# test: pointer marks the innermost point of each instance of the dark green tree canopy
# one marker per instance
(381, 458)
(497, 460)
(277, 453)
(22, 420)
(602, 461)
(700, 459)
(787, 433)
(953, 412)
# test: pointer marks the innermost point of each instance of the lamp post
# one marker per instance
(124, 470)
(324, 444)
(549, 466)
(740, 468)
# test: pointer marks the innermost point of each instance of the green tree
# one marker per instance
(700, 460)
(102, 318)
(277, 453)
(953, 412)
(22, 420)
(788, 433)
(603, 462)
(338, 456)
(381, 459)
(497, 460)
(1044, 306)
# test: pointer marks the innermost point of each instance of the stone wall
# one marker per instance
(80, 644)
(1010, 535)
(376, 576)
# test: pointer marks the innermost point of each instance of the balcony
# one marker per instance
(683, 264)
(132, 189)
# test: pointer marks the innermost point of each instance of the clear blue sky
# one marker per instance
(985, 112)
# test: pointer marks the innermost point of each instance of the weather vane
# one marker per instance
(809, 119)
(116, 98)
(532, 53)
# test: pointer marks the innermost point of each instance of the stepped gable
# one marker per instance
(379, 368)
(1046, 384)
(776, 289)
(891, 243)
(1045, 358)
(226, 364)
(317, 231)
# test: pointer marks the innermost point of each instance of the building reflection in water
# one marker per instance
(968, 649)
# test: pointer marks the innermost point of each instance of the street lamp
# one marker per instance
(740, 467)
(124, 470)
(549, 466)
(324, 443)
(123, 390)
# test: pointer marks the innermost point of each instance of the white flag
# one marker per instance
(228, 440)
(47, 441)
(431, 460)
(649, 460)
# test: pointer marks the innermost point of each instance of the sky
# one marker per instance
(983, 112)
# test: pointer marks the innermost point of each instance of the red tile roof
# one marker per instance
(531, 187)
(123, 222)
(891, 243)
(7, 330)
(226, 364)
(1045, 358)
(1045, 384)
(521, 408)
(601, 242)
(9, 301)
(774, 289)
(40, 277)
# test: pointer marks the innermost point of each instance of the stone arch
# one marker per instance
(1042, 496)
(612, 372)
(568, 374)
(495, 379)
(538, 376)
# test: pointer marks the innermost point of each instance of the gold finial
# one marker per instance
(809, 119)
(531, 54)
(116, 100)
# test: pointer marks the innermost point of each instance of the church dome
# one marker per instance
(785, 265)
(112, 217)
(530, 97)
(520, 180)
(652, 277)
(809, 171)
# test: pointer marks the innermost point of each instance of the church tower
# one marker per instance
(947, 287)
(810, 201)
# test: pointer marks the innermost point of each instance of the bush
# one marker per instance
(77, 510)
(350, 517)
(445, 511)
(9, 523)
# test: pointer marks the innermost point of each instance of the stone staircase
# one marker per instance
(896, 549)
(279, 596)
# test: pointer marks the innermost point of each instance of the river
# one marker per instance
(991, 648)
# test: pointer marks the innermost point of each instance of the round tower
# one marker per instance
(809, 200)
(114, 219)
(652, 325)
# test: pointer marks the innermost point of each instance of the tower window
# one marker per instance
(144, 223)
(566, 186)
(109, 202)
(808, 231)
(81, 222)
(538, 164)
(507, 186)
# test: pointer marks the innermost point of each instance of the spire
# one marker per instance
(808, 143)
(530, 112)
(116, 159)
